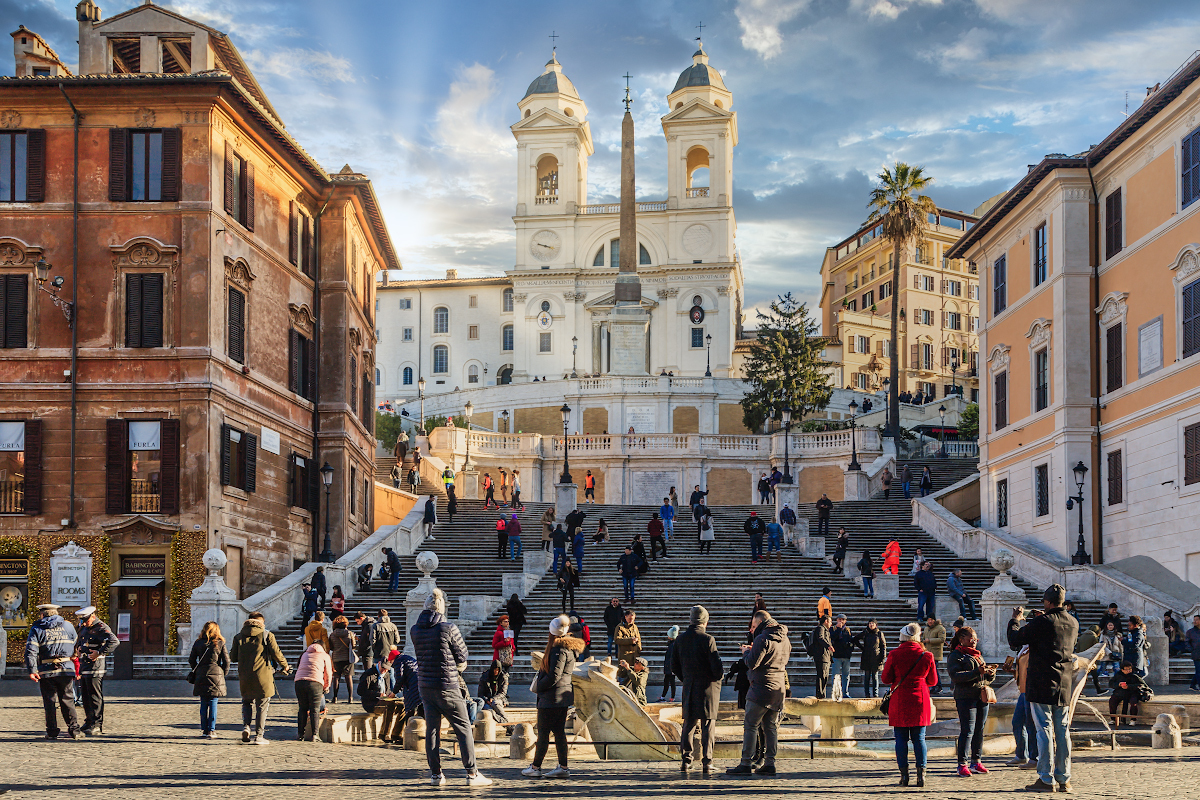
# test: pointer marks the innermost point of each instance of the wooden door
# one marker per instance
(147, 612)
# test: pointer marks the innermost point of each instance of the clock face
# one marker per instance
(544, 245)
(544, 320)
(697, 315)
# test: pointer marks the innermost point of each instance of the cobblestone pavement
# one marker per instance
(152, 750)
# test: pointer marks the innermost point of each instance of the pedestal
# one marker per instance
(813, 546)
(887, 587)
(470, 484)
(1160, 662)
(787, 494)
(213, 601)
(414, 604)
(857, 485)
(566, 500)
(536, 561)
(629, 328)
(996, 606)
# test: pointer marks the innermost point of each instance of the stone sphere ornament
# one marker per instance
(214, 561)
(1003, 559)
(427, 561)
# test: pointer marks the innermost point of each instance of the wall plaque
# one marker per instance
(71, 576)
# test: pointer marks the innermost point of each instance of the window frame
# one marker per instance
(1189, 468)
(1040, 262)
(545, 342)
(406, 304)
(441, 321)
(694, 345)
(1000, 400)
(33, 175)
(406, 376)
(1114, 362)
(999, 285)
(1117, 481)
(472, 332)
(139, 277)
(506, 301)
(1041, 492)
(406, 335)
(239, 459)
(1002, 509)
(1041, 390)
(21, 286)
(1189, 162)
(232, 326)
(508, 339)
(473, 374)
(1185, 288)
(443, 351)
(1114, 223)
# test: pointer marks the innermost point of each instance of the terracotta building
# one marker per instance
(210, 342)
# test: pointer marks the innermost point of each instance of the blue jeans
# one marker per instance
(394, 582)
(907, 490)
(208, 713)
(1054, 742)
(1023, 731)
(774, 544)
(579, 561)
(1195, 676)
(756, 547)
(926, 606)
(871, 683)
(966, 606)
(868, 587)
(629, 586)
(611, 641)
(972, 715)
(559, 552)
(916, 735)
(841, 667)
(669, 528)
(514, 547)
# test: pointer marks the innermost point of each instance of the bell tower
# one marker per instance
(701, 131)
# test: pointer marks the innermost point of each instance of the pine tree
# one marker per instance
(784, 367)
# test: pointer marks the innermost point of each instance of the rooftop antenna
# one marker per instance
(628, 100)
(554, 41)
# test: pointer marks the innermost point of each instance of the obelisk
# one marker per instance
(630, 323)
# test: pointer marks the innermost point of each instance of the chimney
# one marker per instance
(451, 274)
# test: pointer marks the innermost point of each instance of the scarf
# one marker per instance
(970, 651)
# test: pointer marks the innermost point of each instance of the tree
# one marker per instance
(784, 367)
(904, 214)
(968, 421)
(387, 428)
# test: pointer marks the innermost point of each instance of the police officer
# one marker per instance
(96, 640)
(48, 652)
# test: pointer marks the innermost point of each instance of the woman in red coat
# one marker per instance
(910, 670)
(503, 643)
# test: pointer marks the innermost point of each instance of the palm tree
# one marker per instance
(897, 204)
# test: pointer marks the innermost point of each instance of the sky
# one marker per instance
(419, 96)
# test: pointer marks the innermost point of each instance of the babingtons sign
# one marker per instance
(71, 576)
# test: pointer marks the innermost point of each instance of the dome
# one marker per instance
(699, 73)
(552, 81)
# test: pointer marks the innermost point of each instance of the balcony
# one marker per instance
(545, 199)
(12, 497)
(699, 191)
(615, 208)
(144, 496)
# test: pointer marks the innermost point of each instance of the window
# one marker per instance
(407, 335)
(1112, 224)
(301, 250)
(1039, 255)
(614, 254)
(473, 301)
(972, 324)
(545, 305)
(861, 381)
(885, 290)
(1002, 504)
(142, 466)
(144, 310)
(14, 311)
(926, 316)
(1041, 488)
(1041, 379)
(927, 357)
(353, 389)
(21, 463)
(506, 338)
(472, 331)
(239, 188)
(999, 285)
(237, 325)
(926, 283)
(352, 487)
(378, 377)
(868, 300)
(864, 344)
(1113, 345)
(697, 337)
(697, 300)
(406, 304)
(1116, 483)
(1191, 454)
(643, 254)
(302, 483)
(972, 291)
(1001, 400)
(302, 365)
(473, 373)
(22, 166)
(441, 359)
(543, 342)
(441, 320)
(1190, 147)
(239, 458)
(1191, 319)
(508, 301)
(954, 288)
(852, 305)
(408, 375)
(144, 165)
(927, 389)
(954, 320)
(598, 261)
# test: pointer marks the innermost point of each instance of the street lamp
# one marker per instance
(566, 418)
(504, 416)
(467, 411)
(327, 479)
(854, 465)
(787, 434)
(574, 350)
(954, 374)
(1081, 556)
(708, 355)
(421, 394)
(42, 274)
(887, 425)
(942, 433)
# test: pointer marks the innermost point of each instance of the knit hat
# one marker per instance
(560, 625)
(699, 615)
(436, 601)
(910, 633)
(672, 631)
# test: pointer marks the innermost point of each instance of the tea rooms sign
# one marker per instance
(71, 576)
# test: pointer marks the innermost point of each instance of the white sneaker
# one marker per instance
(532, 772)
(260, 739)
(246, 737)
(478, 779)
(559, 772)
(1016, 762)
(438, 780)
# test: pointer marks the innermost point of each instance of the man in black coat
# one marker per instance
(365, 653)
(95, 642)
(824, 506)
(319, 586)
(820, 647)
(614, 615)
(1051, 639)
(696, 662)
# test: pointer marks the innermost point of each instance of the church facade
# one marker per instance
(550, 315)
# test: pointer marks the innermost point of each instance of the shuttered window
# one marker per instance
(239, 459)
(1001, 400)
(1000, 285)
(32, 490)
(368, 402)
(1113, 340)
(1191, 454)
(352, 487)
(1041, 379)
(1041, 480)
(302, 365)
(156, 494)
(14, 311)
(237, 325)
(144, 165)
(144, 310)
(1190, 178)
(1191, 319)
(239, 188)
(1040, 256)
(1116, 479)
(302, 490)
(1112, 224)
(1002, 504)
(22, 166)
(352, 400)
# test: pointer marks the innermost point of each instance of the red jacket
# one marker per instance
(910, 705)
(655, 527)
(499, 640)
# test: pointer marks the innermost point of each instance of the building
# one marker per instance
(1091, 343)
(548, 315)
(939, 311)
(161, 396)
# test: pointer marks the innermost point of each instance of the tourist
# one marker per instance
(366, 625)
(342, 646)
(873, 645)
(767, 661)
(910, 671)
(502, 538)
(820, 648)
(787, 518)
(493, 690)
(258, 657)
(1137, 646)
(1113, 616)
(1070, 607)
(697, 664)
(589, 488)
(574, 522)
(374, 682)
(548, 517)
(972, 678)
(755, 529)
(414, 476)
(934, 637)
(601, 535)
(448, 480)
(517, 505)
(517, 614)
(674, 499)
(579, 628)
(401, 449)
(775, 479)
(627, 568)
(1088, 638)
(95, 641)
(1024, 732)
(396, 475)
(559, 540)
(308, 603)
(628, 638)
(503, 642)
(440, 650)
(740, 675)
(489, 488)
(314, 673)
(394, 567)
(639, 550)
(429, 517)
(337, 601)
(568, 582)
(364, 577)
(513, 529)
(656, 529)
(774, 540)
(407, 684)
(926, 481)
(1128, 691)
(956, 590)
(925, 583)
(315, 631)
(667, 512)
(824, 506)
(842, 640)
(577, 545)
(866, 570)
(633, 676)
(318, 585)
(764, 490)
(451, 505)
(824, 604)
(668, 675)
(840, 549)
(209, 662)
(906, 481)
(886, 479)
(1193, 640)
(384, 636)
(1051, 639)
(613, 616)
(918, 562)
(555, 696)
(504, 486)
(708, 531)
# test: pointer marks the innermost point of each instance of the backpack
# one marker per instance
(813, 645)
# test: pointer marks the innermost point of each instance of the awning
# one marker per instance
(137, 582)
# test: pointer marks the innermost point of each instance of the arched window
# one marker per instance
(441, 359)
(378, 377)
(614, 254)
(643, 254)
(508, 300)
(473, 373)
(506, 338)
(504, 376)
(441, 320)
(547, 180)
(408, 376)
(598, 261)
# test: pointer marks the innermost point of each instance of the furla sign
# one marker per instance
(71, 576)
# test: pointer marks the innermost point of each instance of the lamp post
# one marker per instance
(421, 394)
(787, 434)
(887, 417)
(467, 411)
(854, 465)
(504, 416)
(954, 375)
(708, 355)
(327, 479)
(42, 274)
(942, 433)
(566, 418)
(1081, 556)
(574, 350)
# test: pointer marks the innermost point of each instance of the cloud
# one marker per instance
(322, 66)
(760, 21)
(890, 9)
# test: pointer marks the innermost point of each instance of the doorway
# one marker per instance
(147, 612)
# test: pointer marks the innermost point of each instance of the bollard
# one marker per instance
(414, 734)
(485, 726)
(522, 742)
(1166, 735)
(1181, 715)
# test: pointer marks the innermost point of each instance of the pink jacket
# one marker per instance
(315, 666)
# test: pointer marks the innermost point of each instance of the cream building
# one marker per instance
(939, 310)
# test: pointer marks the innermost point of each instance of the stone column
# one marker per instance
(1160, 660)
(213, 601)
(857, 485)
(996, 605)
(887, 587)
(566, 497)
(414, 601)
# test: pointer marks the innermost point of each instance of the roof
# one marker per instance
(23, 31)
(421, 283)
(1182, 78)
(552, 81)
(699, 74)
(370, 202)
(867, 226)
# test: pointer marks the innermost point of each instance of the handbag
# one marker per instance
(506, 656)
(887, 696)
(191, 676)
(987, 694)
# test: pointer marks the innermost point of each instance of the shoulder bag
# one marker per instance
(191, 676)
(887, 696)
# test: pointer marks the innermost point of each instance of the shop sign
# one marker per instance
(71, 576)
(14, 568)
(143, 566)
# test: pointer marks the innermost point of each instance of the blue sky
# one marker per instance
(419, 95)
